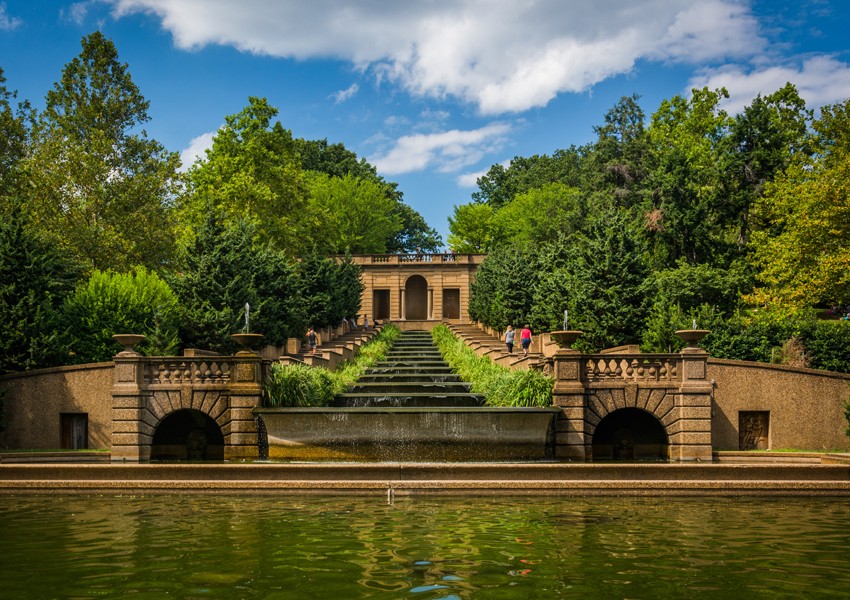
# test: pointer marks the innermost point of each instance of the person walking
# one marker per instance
(311, 340)
(525, 339)
(509, 339)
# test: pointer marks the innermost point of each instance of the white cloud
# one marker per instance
(8, 23)
(77, 12)
(470, 180)
(346, 94)
(448, 151)
(500, 55)
(196, 149)
(819, 80)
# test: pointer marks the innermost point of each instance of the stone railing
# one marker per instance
(635, 367)
(183, 370)
(417, 259)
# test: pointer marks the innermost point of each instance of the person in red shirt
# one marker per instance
(525, 339)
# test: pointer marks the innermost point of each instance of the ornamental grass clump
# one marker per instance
(302, 385)
(499, 385)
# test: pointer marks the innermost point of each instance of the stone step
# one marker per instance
(435, 377)
(406, 387)
(353, 399)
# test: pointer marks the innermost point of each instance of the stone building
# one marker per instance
(417, 287)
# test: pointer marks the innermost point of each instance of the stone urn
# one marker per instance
(692, 337)
(566, 339)
(249, 341)
(128, 340)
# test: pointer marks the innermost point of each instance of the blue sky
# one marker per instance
(432, 93)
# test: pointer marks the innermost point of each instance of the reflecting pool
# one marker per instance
(265, 546)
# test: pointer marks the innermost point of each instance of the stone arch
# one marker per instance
(630, 433)
(187, 434)
(416, 298)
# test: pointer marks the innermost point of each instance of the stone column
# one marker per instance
(571, 440)
(401, 304)
(131, 433)
(245, 389)
(691, 439)
(430, 313)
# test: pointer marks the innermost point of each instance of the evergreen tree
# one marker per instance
(34, 280)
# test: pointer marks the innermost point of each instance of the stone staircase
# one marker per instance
(413, 374)
(484, 344)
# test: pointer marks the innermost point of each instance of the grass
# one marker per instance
(499, 385)
(300, 385)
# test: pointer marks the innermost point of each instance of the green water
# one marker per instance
(208, 546)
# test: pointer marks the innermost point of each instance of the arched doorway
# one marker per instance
(630, 434)
(187, 435)
(416, 298)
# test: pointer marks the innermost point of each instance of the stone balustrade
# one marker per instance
(636, 367)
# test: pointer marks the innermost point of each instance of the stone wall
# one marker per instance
(803, 406)
(35, 400)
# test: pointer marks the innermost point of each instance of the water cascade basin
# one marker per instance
(393, 433)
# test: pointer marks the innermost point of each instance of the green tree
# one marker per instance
(251, 173)
(350, 214)
(34, 280)
(14, 137)
(539, 215)
(617, 163)
(500, 185)
(99, 185)
(109, 303)
(501, 293)
(471, 228)
(337, 161)
(220, 272)
(763, 139)
(599, 278)
(803, 253)
(331, 289)
(681, 200)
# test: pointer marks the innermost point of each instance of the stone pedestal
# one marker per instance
(571, 440)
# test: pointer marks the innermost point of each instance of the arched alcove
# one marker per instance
(187, 435)
(416, 298)
(630, 434)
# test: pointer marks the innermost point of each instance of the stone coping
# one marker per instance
(387, 479)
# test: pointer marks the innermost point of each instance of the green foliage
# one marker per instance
(97, 184)
(471, 229)
(252, 173)
(336, 161)
(538, 216)
(500, 386)
(828, 346)
(34, 280)
(300, 385)
(109, 303)
(330, 289)
(600, 282)
(501, 294)
(351, 215)
(221, 271)
(803, 253)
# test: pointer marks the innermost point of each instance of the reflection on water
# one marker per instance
(207, 546)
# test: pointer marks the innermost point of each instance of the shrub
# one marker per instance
(500, 386)
(110, 303)
(300, 385)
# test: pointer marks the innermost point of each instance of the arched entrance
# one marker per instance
(630, 434)
(416, 298)
(187, 435)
